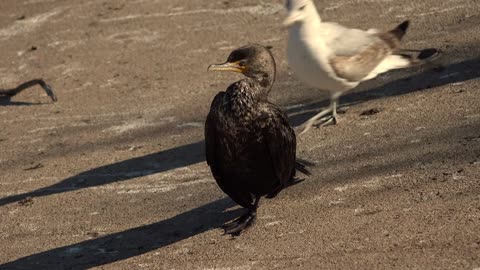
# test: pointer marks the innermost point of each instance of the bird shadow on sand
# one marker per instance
(162, 161)
(193, 153)
(135, 241)
(147, 238)
(6, 95)
(130, 243)
(140, 240)
(442, 75)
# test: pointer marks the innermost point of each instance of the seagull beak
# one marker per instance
(235, 67)
(291, 19)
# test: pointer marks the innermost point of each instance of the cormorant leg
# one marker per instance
(240, 224)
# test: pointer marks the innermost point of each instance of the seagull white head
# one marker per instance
(298, 11)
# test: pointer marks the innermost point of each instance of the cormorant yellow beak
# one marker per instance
(227, 66)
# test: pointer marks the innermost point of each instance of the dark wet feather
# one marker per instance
(250, 147)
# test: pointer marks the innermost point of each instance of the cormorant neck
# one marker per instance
(265, 81)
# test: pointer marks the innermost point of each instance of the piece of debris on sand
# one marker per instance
(370, 112)
(26, 202)
(34, 167)
(8, 93)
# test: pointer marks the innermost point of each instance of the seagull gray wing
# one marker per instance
(357, 53)
(347, 41)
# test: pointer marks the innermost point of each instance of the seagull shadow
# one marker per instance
(132, 242)
(448, 74)
(169, 159)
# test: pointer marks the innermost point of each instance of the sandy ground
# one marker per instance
(113, 175)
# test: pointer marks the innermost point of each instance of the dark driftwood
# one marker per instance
(12, 92)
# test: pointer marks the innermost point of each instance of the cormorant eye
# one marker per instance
(302, 7)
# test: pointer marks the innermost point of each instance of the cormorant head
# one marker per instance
(254, 61)
(299, 11)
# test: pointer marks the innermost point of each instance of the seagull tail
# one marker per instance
(405, 59)
(420, 57)
(400, 30)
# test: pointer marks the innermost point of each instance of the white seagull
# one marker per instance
(333, 58)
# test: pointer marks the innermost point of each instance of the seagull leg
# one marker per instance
(320, 120)
(331, 119)
(334, 110)
(313, 121)
(240, 224)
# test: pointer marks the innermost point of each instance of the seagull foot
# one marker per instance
(318, 120)
(327, 121)
(240, 224)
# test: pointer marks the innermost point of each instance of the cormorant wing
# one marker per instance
(212, 139)
(281, 142)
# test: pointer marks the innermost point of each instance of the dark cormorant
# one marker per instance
(8, 93)
(250, 146)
